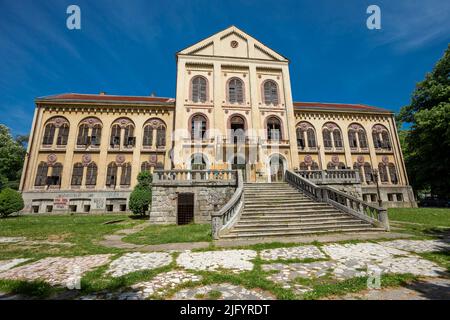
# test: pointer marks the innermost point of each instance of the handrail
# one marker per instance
(340, 200)
(331, 176)
(227, 216)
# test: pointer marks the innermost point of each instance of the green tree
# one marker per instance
(10, 201)
(426, 144)
(141, 197)
(12, 154)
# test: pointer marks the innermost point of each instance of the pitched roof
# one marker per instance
(325, 106)
(78, 97)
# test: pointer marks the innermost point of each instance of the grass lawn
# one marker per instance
(423, 222)
(158, 234)
(80, 230)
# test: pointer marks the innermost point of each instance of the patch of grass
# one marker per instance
(80, 230)
(159, 234)
(35, 289)
(421, 222)
(442, 258)
(214, 295)
(323, 289)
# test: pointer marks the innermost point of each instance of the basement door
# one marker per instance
(185, 213)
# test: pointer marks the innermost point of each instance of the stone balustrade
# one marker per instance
(338, 176)
(194, 177)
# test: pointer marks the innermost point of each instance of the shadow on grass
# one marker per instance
(34, 289)
(438, 232)
(139, 217)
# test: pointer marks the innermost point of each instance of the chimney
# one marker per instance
(102, 93)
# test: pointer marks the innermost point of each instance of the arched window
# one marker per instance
(115, 135)
(380, 137)
(362, 139)
(337, 137)
(270, 92)
(111, 175)
(235, 91)
(198, 127)
(91, 174)
(128, 137)
(352, 138)
(311, 136)
(331, 166)
(145, 166)
(383, 172)
(161, 137)
(237, 128)
(77, 174)
(393, 173)
(300, 138)
(199, 89)
(125, 178)
(83, 135)
(41, 175)
(303, 166)
(96, 135)
(327, 142)
(49, 134)
(274, 129)
(148, 136)
(198, 162)
(368, 173)
(314, 166)
(63, 135)
(56, 174)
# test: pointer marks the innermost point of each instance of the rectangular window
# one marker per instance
(390, 197)
(399, 197)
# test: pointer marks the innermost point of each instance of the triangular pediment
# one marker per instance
(235, 43)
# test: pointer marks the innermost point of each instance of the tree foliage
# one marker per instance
(10, 201)
(427, 143)
(12, 154)
(141, 197)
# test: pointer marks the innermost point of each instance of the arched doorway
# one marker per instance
(240, 164)
(237, 128)
(198, 162)
(277, 167)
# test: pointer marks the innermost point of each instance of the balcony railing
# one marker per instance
(189, 177)
(340, 200)
(331, 176)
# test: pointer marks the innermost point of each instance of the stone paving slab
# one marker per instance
(56, 270)
(11, 239)
(142, 290)
(136, 261)
(418, 246)
(301, 252)
(8, 264)
(227, 292)
(364, 251)
(235, 260)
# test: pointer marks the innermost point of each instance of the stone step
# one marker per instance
(302, 228)
(298, 232)
(292, 221)
(291, 202)
(301, 225)
(291, 211)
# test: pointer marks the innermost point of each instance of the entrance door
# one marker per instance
(276, 169)
(185, 214)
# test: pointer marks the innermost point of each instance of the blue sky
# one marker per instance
(128, 47)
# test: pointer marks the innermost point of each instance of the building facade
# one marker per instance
(233, 110)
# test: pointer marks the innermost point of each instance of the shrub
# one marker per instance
(141, 197)
(10, 201)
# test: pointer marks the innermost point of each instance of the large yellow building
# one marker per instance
(233, 110)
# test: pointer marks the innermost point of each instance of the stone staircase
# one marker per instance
(279, 210)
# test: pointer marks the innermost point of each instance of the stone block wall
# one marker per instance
(207, 199)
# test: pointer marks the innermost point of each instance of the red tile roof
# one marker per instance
(105, 98)
(338, 106)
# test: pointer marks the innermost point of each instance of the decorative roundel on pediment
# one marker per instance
(378, 128)
(51, 159)
(153, 158)
(155, 123)
(90, 122)
(120, 158)
(123, 122)
(234, 44)
(355, 126)
(59, 121)
(385, 159)
(360, 159)
(86, 159)
(330, 126)
(335, 159)
(305, 125)
(308, 159)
